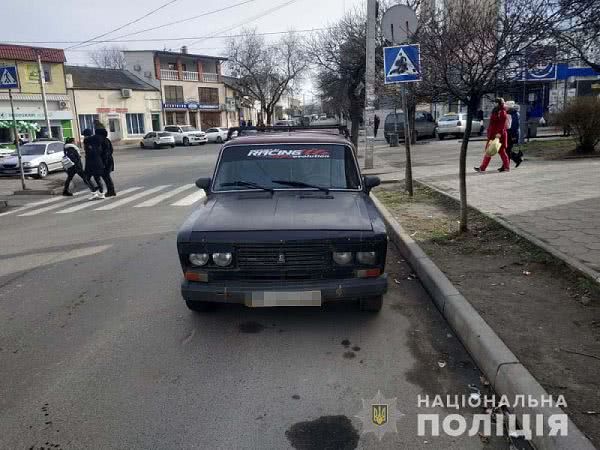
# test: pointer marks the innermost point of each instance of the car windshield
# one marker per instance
(33, 149)
(325, 166)
(188, 128)
(163, 134)
(449, 118)
(390, 118)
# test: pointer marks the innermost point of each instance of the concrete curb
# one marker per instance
(499, 364)
(568, 260)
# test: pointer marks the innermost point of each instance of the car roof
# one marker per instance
(305, 137)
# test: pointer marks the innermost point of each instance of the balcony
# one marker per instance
(173, 75)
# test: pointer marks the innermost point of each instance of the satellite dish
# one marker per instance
(399, 23)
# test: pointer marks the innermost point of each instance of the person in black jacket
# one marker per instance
(94, 147)
(72, 152)
(108, 161)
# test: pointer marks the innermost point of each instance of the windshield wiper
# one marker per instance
(301, 184)
(248, 184)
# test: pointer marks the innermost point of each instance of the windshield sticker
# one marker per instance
(289, 154)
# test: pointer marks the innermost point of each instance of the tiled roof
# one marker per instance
(26, 53)
(105, 79)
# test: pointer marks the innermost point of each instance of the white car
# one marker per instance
(218, 135)
(186, 134)
(455, 124)
(157, 139)
(39, 159)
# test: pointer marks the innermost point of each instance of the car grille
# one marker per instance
(299, 262)
(9, 166)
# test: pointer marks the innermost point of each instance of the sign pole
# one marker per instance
(14, 121)
(408, 178)
(43, 91)
(370, 84)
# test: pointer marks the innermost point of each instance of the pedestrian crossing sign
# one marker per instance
(8, 77)
(402, 64)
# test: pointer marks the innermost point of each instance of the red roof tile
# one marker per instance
(26, 53)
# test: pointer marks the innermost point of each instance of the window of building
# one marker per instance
(174, 93)
(87, 121)
(135, 123)
(210, 120)
(181, 118)
(47, 73)
(209, 95)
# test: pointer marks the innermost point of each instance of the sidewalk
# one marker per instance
(557, 202)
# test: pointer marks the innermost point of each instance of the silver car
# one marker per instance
(455, 124)
(39, 159)
(157, 139)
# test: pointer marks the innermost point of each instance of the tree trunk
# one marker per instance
(462, 173)
(269, 113)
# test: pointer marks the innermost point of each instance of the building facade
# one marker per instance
(124, 104)
(191, 86)
(239, 106)
(28, 99)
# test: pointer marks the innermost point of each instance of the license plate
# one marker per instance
(287, 298)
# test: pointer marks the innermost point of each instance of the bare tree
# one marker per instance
(267, 72)
(471, 51)
(108, 57)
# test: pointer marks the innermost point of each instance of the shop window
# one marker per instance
(87, 121)
(181, 118)
(209, 96)
(135, 123)
(174, 94)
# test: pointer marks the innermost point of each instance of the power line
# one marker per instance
(127, 24)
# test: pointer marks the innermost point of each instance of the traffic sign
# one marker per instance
(8, 77)
(402, 64)
(542, 72)
(399, 23)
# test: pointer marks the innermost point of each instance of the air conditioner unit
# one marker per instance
(137, 68)
(125, 93)
(62, 104)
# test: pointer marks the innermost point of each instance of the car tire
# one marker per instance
(219, 140)
(172, 145)
(441, 136)
(371, 304)
(186, 142)
(142, 145)
(42, 171)
(201, 306)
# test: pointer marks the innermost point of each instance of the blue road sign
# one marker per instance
(402, 64)
(8, 77)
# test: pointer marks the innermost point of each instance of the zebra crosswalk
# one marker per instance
(134, 197)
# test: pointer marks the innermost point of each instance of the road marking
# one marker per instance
(159, 198)
(91, 203)
(35, 212)
(190, 199)
(39, 203)
(133, 198)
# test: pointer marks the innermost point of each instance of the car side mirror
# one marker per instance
(370, 182)
(203, 183)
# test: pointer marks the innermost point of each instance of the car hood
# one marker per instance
(24, 158)
(284, 210)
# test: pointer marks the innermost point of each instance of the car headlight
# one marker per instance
(222, 259)
(26, 164)
(198, 259)
(366, 257)
(342, 258)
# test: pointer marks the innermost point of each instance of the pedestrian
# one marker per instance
(376, 122)
(72, 152)
(497, 129)
(108, 161)
(94, 164)
(514, 133)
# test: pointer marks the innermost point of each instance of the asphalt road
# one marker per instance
(97, 349)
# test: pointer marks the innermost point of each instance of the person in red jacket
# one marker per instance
(497, 129)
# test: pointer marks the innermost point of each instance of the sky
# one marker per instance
(53, 21)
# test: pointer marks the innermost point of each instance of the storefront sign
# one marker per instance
(121, 110)
(102, 110)
(111, 110)
(192, 105)
(208, 106)
(32, 73)
(174, 105)
(5, 114)
(230, 104)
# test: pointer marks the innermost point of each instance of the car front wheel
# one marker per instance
(219, 140)
(440, 136)
(142, 145)
(42, 170)
(186, 142)
(371, 304)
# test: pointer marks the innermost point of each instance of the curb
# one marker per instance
(568, 260)
(501, 367)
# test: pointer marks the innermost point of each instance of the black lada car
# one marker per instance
(287, 221)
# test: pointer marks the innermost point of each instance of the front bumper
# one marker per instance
(198, 140)
(241, 292)
(451, 130)
(26, 170)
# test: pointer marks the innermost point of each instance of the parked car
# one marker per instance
(39, 159)
(158, 139)
(285, 123)
(287, 221)
(6, 151)
(218, 135)
(186, 134)
(455, 124)
(424, 125)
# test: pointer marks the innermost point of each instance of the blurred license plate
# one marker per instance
(284, 298)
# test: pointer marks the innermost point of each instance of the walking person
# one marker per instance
(72, 152)
(497, 129)
(514, 133)
(94, 165)
(108, 161)
(376, 123)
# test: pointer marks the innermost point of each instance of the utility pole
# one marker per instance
(42, 79)
(370, 84)
(408, 178)
(16, 131)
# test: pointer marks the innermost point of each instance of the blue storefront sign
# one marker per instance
(192, 106)
(175, 105)
(208, 106)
